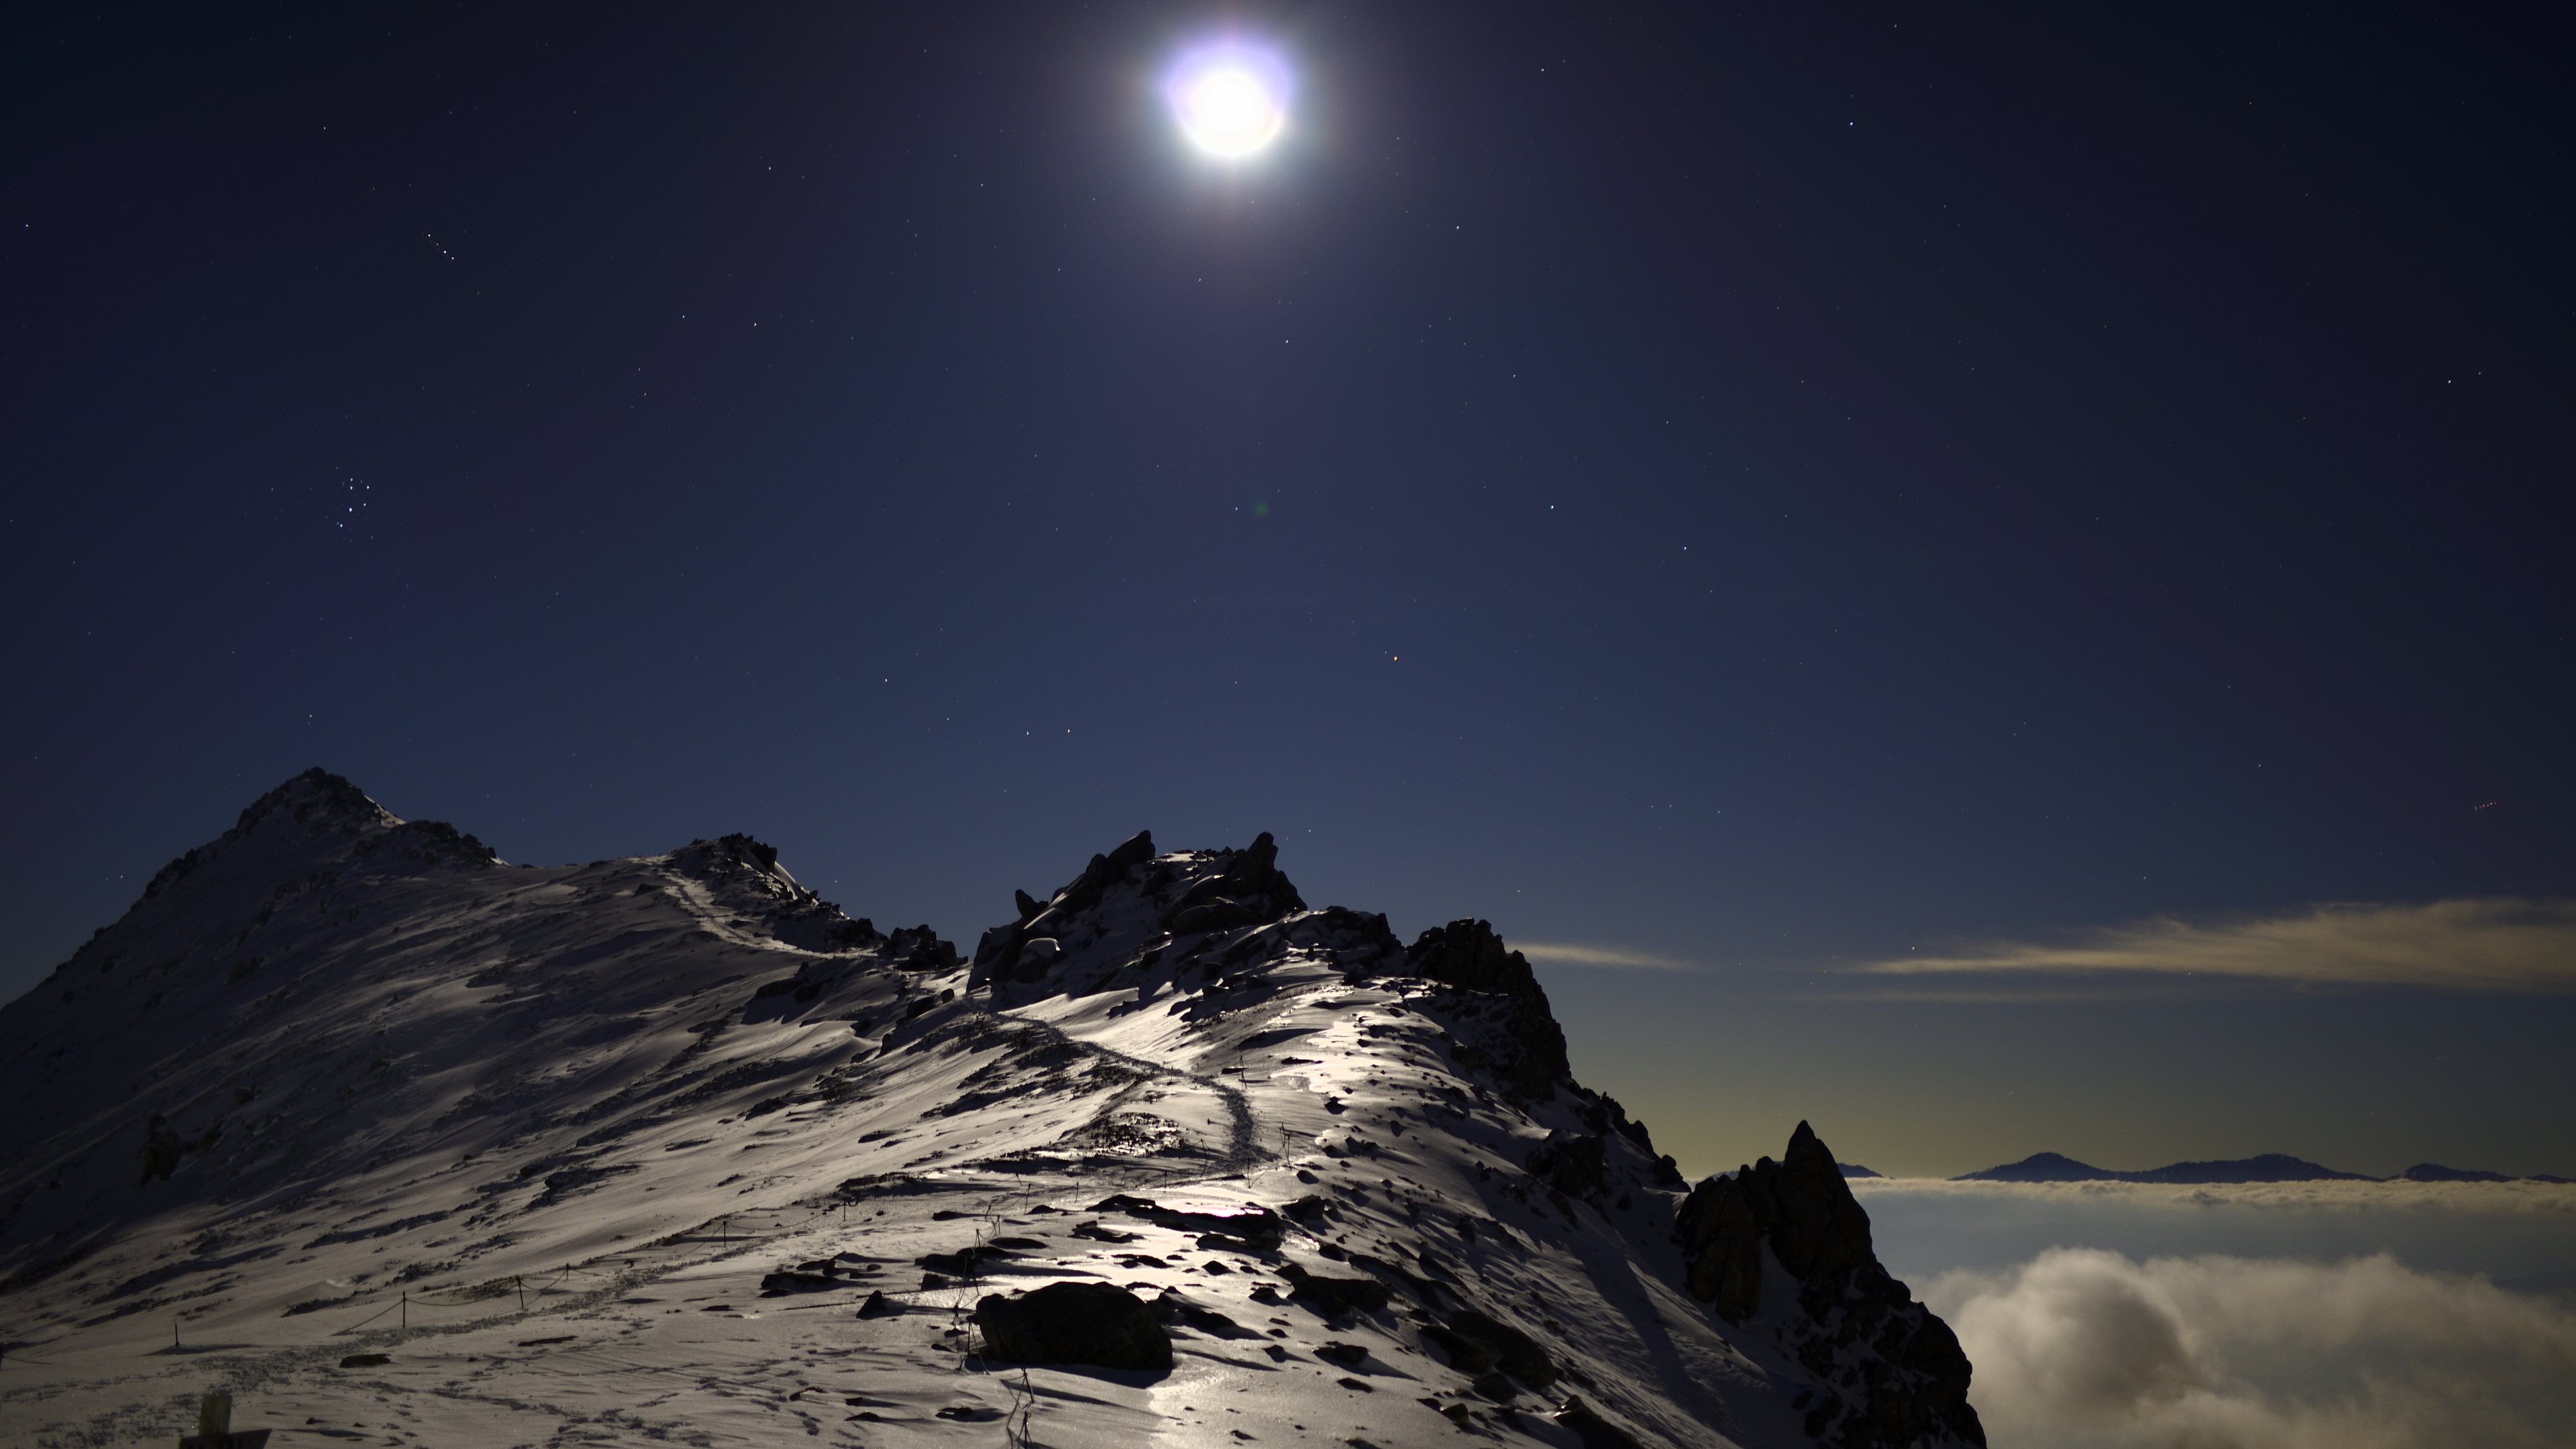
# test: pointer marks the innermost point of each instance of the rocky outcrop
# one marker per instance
(1469, 956)
(1573, 1163)
(1477, 1343)
(1091, 1323)
(1890, 1372)
(1249, 891)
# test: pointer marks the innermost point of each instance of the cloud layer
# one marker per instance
(2495, 944)
(2082, 1348)
(2555, 1198)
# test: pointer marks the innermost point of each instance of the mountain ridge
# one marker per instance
(2264, 1167)
(341, 1081)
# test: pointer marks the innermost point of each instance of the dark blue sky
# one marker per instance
(1763, 491)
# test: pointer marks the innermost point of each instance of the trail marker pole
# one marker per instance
(523, 1291)
(406, 1311)
(174, 1332)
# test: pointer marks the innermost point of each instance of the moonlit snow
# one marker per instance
(399, 1143)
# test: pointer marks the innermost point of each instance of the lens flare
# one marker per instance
(1230, 101)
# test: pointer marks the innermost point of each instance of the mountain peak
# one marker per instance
(2041, 1167)
(320, 800)
(1799, 1214)
(311, 821)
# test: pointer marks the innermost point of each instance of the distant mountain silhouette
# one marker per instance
(2436, 1172)
(2269, 1167)
(2043, 1167)
(1854, 1169)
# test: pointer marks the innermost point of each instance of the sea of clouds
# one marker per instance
(2270, 1316)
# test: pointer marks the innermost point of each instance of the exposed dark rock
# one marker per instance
(820, 1277)
(1171, 1307)
(1573, 1163)
(1090, 1323)
(1468, 955)
(1336, 1296)
(1799, 1207)
(1802, 1213)
(422, 844)
(164, 1148)
(965, 1262)
(1595, 1432)
(919, 948)
(879, 1306)
(1257, 1228)
(1102, 872)
(1249, 891)
(1477, 1343)
(858, 934)
(1358, 940)
(161, 1149)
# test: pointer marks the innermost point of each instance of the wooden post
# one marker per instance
(406, 1311)
(523, 1291)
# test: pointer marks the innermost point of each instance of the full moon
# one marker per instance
(1230, 104)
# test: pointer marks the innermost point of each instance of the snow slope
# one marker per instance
(400, 1143)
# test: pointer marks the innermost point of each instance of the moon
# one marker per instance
(1231, 103)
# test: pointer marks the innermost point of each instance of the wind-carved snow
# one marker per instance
(397, 1141)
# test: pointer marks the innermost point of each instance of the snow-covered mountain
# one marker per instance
(396, 1141)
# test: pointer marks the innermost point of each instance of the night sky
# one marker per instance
(1737, 497)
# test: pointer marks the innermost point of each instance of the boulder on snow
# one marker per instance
(1092, 1323)
(1477, 1343)
(1257, 1228)
(1337, 1296)
(1573, 1163)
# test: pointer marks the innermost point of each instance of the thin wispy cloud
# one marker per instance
(2490, 944)
(1617, 958)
